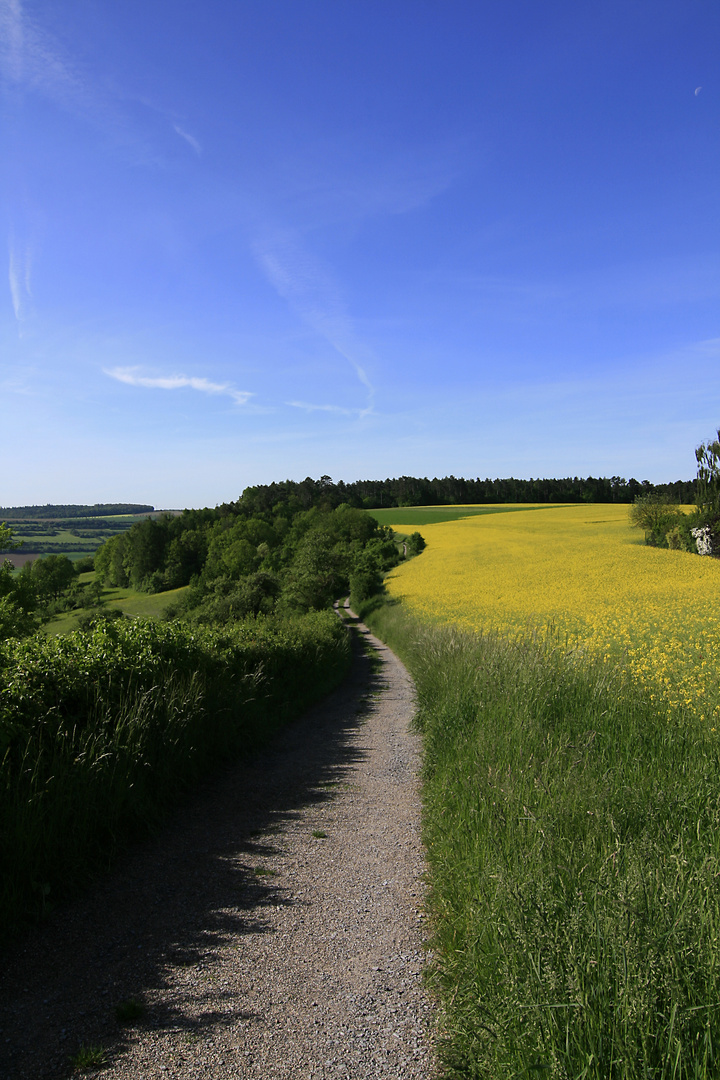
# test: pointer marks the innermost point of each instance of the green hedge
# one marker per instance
(100, 731)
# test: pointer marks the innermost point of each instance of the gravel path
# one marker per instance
(273, 929)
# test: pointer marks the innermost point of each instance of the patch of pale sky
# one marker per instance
(19, 277)
(671, 280)
(11, 39)
(14, 281)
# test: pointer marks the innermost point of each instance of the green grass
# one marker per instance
(129, 1011)
(88, 1057)
(432, 515)
(146, 605)
(573, 835)
(130, 602)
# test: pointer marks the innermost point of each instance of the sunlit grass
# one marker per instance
(573, 836)
(130, 602)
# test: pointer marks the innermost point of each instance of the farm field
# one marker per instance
(402, 517)
(582, 574)
(74, 537)
(571, 818)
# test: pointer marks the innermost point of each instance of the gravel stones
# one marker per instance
(272, 929)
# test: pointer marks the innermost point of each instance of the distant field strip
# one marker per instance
(401, 518)
(582, 573)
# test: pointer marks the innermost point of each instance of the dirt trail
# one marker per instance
(273, 929)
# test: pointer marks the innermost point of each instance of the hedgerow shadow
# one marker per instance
(176, 900)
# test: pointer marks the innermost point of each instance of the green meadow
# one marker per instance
(128, 601)
(432, 515)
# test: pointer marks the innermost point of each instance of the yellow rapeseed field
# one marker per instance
(584, 573)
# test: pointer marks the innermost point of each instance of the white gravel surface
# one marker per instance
(273, 929)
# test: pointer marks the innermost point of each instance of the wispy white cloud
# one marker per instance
(30, 58)
(11, 38)
(190, 139)
(14, 285)
(328, 408)
(33, 61)
(19, 278)
(132, 377)
(313, 294)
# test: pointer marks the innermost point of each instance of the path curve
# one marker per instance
(273, 929)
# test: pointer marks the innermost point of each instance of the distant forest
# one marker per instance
(419, 491)
(50, 510)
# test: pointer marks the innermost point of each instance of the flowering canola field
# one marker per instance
(582, 572)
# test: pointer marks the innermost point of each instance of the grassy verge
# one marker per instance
(573, 834)
(101, 731)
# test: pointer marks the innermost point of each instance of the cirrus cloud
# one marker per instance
(132, 377)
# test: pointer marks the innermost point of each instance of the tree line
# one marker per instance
(72, 510)
(451, 490)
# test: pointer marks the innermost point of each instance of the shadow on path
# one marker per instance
(173, 900)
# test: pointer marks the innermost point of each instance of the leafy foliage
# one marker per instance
(243, 559)
(452, 490)
(657, 516)
(708, 480)
(101, 730)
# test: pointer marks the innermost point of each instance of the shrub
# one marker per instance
(675, 540)
(101, 730)
(656, 515)
(415, 543)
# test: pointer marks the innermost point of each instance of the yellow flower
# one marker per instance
(580, 575)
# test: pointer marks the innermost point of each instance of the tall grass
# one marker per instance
(100, 732)
(573, 834)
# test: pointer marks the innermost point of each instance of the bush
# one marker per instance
(101, 730)
(364, 583)
(415, 544)
(675, 540)
(657, 516)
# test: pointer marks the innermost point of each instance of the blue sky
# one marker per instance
(257, 239)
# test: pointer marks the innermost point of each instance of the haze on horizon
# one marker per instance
(248, 242)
